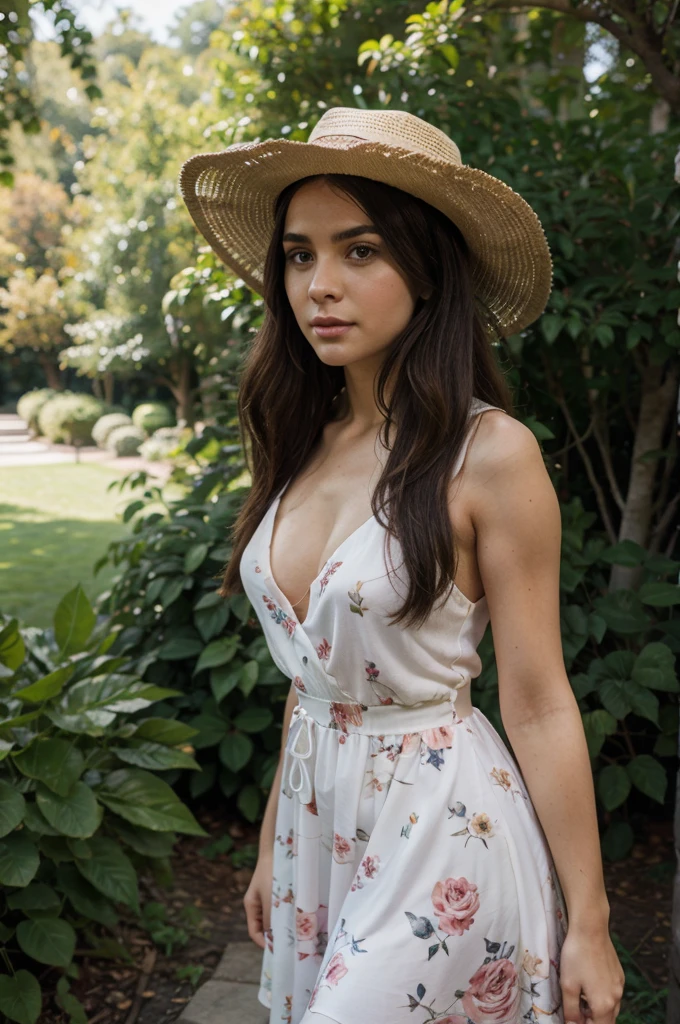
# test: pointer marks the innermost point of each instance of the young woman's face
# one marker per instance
(350, 278)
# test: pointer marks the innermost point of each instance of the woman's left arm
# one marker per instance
(516, 517)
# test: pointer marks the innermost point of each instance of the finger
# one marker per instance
(570, 1004)
(254, 921)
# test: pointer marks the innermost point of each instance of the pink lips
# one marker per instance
(331, 330)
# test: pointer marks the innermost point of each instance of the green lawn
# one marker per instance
(55, 522)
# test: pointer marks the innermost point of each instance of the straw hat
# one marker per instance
(231, 195)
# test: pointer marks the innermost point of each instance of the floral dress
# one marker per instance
(412, 879)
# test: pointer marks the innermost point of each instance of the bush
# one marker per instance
(163, 443)
(188, 637)
(30, 404)
(151, 415)
(107, 423)
(82, 804)
(69, 418)
(125, 440)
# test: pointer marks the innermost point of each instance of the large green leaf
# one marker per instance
(660, 595)
(235, 751)
(111, 872)
(12, 808)
(180, 647)
(49, 940)
(142, 840)
(195, 555)
(84, 898)
(47, 687)
(648, 775)
(155, 756)
(144, 799)
(613, 786)
(20, 997)
(19, 860)
(35, 897)
(219, 652)
(211, 621)
(12, 648)
(56, 762)
(74, 621)
(78, 814)
(164, 730)
(253, 719)
(655, 668)
(224, 679)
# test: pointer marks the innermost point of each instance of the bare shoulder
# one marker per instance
(505, 469)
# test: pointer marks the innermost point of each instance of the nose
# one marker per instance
(325, 281)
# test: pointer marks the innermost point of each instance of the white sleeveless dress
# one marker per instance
(412, 879)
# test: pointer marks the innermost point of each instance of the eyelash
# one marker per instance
(360, 245)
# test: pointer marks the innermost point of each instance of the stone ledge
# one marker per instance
(230, 997)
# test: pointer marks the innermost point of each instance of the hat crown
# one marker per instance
(390, 127)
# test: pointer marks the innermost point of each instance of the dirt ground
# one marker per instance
(188, 926)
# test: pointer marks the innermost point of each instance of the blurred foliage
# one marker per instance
(83, 801)
(17, 103)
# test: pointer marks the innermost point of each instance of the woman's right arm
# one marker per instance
(257, 900)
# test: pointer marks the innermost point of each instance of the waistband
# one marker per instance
(387, 718)
(376, 720)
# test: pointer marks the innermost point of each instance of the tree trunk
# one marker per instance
(50, 368)
(181, 372)
(657, 402)
(109, 383)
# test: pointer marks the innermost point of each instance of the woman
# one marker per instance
(411, 868)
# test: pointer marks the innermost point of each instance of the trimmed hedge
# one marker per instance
(107, 423)
(125, 440)
(151, 415)
(30, 404)
(69, 418)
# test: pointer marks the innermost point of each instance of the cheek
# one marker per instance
(387, 295)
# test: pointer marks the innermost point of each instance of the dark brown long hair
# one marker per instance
(438, 362)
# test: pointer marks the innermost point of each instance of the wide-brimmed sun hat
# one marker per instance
(231, 195)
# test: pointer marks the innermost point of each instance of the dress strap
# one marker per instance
(477, 406)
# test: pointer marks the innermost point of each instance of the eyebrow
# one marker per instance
(340, 236)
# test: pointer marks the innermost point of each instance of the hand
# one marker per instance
(591, 978)
(258, 900)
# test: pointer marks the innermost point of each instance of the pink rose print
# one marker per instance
(336, 969)
(305, 925)
(370, 866)
(341, 714)
(455, 901)
(333, 567)
(299, 685)
(410, 742)
(439, 738)
(493, 995)
(311, 806)
(343, 851)
(279, 616)
(323, 650)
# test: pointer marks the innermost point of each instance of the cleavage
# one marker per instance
(295, 567)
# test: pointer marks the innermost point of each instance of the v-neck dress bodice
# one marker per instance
(402, 817)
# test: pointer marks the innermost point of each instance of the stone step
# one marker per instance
(230, 997)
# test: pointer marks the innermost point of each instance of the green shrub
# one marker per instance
(81, 804)
(69, 418)
(125, 440)
(181, 633)
(106, 424)
(30, 404)
(151, 415)
(163, 442)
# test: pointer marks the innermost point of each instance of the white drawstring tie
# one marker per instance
(299, 756)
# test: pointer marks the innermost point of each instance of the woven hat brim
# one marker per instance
(231, 195)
